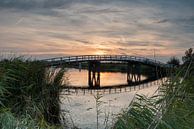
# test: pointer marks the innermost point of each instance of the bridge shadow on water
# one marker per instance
(134, 86)
(134, 69)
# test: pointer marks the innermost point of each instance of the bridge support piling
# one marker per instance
(133, 72)
(94, 74)
(80, 67)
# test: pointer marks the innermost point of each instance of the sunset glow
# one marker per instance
(99, 52)
(49, 28)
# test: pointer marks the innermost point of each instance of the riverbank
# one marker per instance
(172, 108)
(82, 108)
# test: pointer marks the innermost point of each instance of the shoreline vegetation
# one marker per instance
(171, 108)
(29, 95)
(29, 98)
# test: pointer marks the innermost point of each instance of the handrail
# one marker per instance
(104, 58)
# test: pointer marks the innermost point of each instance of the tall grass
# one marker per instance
(98, 110)
(171, 108)
(29, 94)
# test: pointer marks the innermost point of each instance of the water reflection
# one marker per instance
(80, 78)
(82, 108)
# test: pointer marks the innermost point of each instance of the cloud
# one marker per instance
(161, 21)
(29, 4)
(66, 27)
(83, 41)
(100, 11)
(19, 21)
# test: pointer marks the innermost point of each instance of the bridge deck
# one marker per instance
(122, 58)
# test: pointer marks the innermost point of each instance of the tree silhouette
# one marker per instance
(189, 56)
(188, 60)
(174, 62)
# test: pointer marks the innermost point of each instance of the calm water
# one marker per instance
(80, 78)
(80, 109)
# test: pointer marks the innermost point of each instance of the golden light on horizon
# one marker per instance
(90, 29)
(100, 52)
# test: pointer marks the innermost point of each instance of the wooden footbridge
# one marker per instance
(94, 61)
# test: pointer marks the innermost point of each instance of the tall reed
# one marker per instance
(172, 108)
(29, 92)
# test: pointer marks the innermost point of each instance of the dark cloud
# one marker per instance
(118, 26)
(29, 4)
(100, 11)
(161, 21)
(189, 20)
(83, 41)
(138, 43)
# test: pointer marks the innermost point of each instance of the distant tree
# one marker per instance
(189, 56)
(188, 60)
(174, 62)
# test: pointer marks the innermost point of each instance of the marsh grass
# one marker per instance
(29, 94)
(172, 108)
(98, 102)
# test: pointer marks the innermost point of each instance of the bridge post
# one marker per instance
(162, 72)
(94, 74)
(159, 72)
(129, 73)
(138, 69)
(80, 67)
(133, 72)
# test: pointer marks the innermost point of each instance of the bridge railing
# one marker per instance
(104, 58)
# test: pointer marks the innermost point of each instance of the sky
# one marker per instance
(50, 28)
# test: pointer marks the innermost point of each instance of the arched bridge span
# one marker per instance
(94, 61)
(85, 58)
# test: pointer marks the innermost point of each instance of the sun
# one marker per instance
(99, 52)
